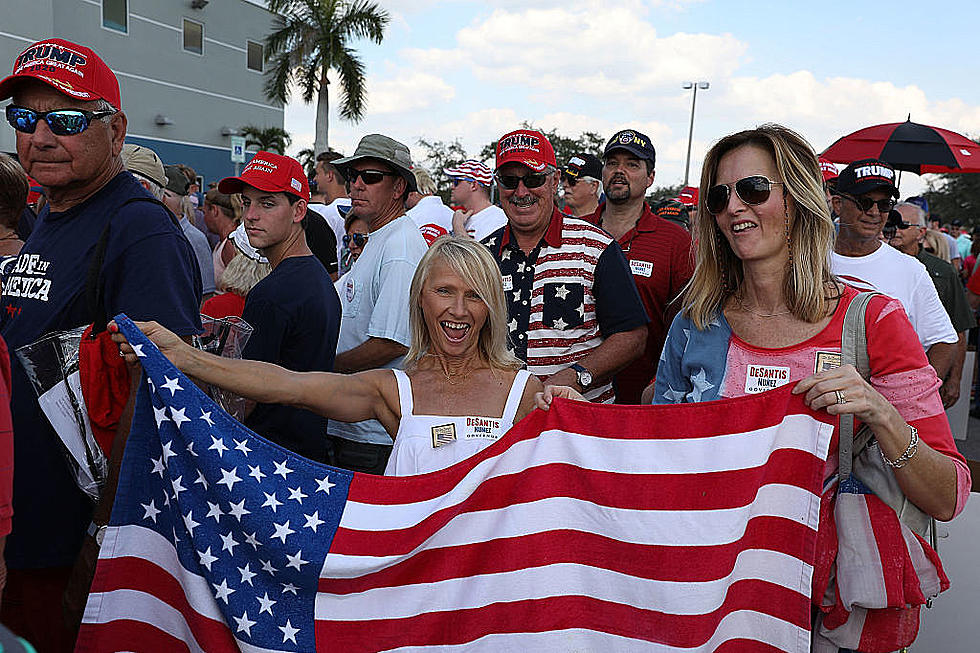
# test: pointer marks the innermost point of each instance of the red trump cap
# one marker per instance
(528, 147)
(273, 173)
(67, 67)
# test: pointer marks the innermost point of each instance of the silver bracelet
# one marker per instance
(903, 460)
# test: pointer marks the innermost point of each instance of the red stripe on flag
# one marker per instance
(562, 613)
(128, 573)
(715, 490)
(128, 635)
(653, 562)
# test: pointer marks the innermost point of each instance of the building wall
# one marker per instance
(199, 94)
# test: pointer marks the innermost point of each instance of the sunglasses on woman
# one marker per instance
(63, 122)
(865, 203)
(753, 190)
(359, 240)
(370, 177)
(531, 180)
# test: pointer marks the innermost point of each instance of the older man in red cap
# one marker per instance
(103, 235)
(295, 311)
(575, 315)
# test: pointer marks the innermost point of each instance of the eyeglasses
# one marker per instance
(359, 240)
(63, 122)
(370, 177)
(531, 180)
(570, 181)
(865, 203)
(753, 190)
(891, 228)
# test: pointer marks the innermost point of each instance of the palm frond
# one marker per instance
(353, 91)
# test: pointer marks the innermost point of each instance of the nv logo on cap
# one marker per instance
(874, 171)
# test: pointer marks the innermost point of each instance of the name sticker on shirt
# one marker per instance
(508, 282)
(826, 360)
(759, 378)
(641, 268)
(482, 427)
(443, 434)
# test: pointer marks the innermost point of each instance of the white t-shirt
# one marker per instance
(903, 277)
(331, 213)
(483, 223)
(431, 210)
(374, 304)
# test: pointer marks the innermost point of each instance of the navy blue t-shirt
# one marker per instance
(295, 313)
(149, 273)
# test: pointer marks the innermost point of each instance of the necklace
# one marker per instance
(757, 313)
(459, 376)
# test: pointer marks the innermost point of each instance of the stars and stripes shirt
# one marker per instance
(589, 527)
(565, 296)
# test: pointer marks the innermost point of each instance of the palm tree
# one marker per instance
(311, 37)
(270, 139)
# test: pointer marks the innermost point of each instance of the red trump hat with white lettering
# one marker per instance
(273, 173)
(68, 68)
(527, 147)
(828, 169)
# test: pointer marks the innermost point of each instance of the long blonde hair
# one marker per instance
(809, 285)
(474, 264)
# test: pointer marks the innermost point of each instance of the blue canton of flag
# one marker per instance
(204, 508)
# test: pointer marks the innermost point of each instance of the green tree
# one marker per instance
(438, 155)
(658, 194)
(270, 139)
(311, 37)
(307, 159)
(955, 197)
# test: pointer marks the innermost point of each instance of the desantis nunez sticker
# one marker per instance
(759, 378)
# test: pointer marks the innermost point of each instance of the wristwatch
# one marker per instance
(582, 376)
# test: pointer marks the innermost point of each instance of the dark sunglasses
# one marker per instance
(370, 177)
(359, 240)
(865, 203)
(753, 190)
(891, 228)
(570, 181)
(63, 122)
(531, 180)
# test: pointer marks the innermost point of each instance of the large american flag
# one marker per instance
(589, 527)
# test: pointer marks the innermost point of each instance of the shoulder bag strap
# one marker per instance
(854, 351)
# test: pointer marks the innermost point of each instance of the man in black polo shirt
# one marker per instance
(295, 310)
(659, 252)
(575, 316)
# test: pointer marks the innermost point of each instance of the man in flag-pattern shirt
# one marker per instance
(574, 313)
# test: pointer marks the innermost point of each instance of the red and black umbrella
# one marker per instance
(909, 146)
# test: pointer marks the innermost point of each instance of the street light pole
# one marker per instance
(690, 133)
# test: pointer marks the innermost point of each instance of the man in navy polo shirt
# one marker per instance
(575, 315)
(659, 251)
(294, 311)
(70, 132)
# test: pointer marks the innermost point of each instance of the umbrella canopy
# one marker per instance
(909, 146)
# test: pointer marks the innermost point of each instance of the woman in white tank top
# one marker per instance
(462, 388)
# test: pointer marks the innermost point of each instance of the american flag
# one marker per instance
(589, 527)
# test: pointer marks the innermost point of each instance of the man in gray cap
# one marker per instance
(374, 329)
(175, 199)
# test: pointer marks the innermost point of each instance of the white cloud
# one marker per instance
(407, 91)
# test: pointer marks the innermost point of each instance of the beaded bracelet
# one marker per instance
(903, 460)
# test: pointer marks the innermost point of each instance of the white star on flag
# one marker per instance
(324, 484)
(218, 444)
(282, 531)
(247, 574)
(244, 623)
(228, 542)
(242, 446)
(138, 350)
(160, 415)
(177, 415)
(312, 521)
(214, 510)
(237, 510)
(561, 291)
(256, 472)
(296, 560)
(206, 416)
(223, 591)
(288, 632)
(173, 385)
(151, 511)
(207, 558)
(296, 493)
(282, 470)
(271, 501)
(265, 603)
(229, 477)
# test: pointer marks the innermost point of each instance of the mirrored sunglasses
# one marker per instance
(62, 122)
(359, 240)
(752, 190)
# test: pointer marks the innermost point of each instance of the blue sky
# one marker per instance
(473, 70)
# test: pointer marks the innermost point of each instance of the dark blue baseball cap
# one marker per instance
(633, 142)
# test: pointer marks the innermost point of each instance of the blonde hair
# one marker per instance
(809, 285)
(474, 264)
(427, 186)
(935, 241)
(241, 274)
(230, 205)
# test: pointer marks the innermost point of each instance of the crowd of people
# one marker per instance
(393, 334)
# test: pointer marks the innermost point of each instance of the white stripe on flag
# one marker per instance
(561, 580)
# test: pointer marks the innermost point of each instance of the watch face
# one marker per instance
(585, 379)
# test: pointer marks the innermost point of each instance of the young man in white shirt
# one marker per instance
(471, 190)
